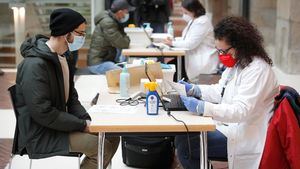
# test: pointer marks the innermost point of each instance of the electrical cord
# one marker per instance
(187, 133)
(169, 114)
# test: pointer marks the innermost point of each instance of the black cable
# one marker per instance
(169, 114)
(187, 133)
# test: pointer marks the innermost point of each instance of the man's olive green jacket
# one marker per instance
(107, 37)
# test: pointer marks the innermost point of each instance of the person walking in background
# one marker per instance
(241, 103)
(52, 121)
(155, 12)
(198, 38)
(109, 38)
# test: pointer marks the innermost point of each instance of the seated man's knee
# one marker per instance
(102, 68)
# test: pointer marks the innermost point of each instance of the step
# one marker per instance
(7, 65)
(7, 49)
(6, 55)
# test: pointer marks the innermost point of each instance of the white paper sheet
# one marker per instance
(115, 109)
(180, 88)
(178, 49)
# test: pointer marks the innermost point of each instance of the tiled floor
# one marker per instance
(6, 80)
(7, 125)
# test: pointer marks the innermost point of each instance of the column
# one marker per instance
(288, 36)
(96, 7)
(19, 27)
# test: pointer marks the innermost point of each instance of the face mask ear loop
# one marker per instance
(66, 37)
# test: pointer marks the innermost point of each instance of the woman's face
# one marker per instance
(224, 48)
(186, 12)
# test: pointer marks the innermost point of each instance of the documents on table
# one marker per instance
(180, 88)
(178, 49)
(116, 109)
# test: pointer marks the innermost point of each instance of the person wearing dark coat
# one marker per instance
(52, 121)
(155, 12)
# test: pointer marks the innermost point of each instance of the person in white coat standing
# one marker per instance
(198, 39)
(241, 103)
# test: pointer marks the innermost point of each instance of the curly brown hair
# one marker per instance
(244, 38)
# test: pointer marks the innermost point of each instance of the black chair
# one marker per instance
(15, 150)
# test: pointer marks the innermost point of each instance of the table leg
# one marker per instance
(179, 66)
(101, 137)
(203, 150)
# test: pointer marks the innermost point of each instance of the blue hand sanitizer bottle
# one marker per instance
(152, 98)
(124, 82)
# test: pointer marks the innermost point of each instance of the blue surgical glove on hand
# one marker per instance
(187, 85)
(190, 89)
(193, 105)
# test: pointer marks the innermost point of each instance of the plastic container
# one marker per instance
(138, 37)
(170, 29)
(124, 82)
(152, 98)
(148, 28)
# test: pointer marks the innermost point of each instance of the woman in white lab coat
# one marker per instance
(241, 103)
(198, 39)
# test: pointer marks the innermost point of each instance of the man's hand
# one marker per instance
(87, 127)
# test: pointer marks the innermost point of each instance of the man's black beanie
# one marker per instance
(64, 20)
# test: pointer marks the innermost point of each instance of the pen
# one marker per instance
(95, 99)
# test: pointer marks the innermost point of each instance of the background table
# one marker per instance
(154, 52)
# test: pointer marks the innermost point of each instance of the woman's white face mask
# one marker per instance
(77, 43)
(187, 17)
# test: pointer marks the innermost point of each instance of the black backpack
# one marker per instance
(148, 151)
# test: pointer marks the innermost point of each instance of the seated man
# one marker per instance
(52, 121)
(109, 38)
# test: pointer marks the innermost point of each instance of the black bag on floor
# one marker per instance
(148, 152)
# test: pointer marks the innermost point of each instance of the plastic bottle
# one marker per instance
(124, 82)
(152, 98)
(148, 29)
(170, 29)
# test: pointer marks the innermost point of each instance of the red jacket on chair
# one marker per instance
(282, 148)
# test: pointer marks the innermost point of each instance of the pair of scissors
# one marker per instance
(130, 101)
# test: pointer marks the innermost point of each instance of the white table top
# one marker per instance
(151, 52)
(138, 120)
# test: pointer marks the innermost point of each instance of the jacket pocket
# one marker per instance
(247, 161)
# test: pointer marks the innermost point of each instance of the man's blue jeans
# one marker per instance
(102, 68)
(216, 148)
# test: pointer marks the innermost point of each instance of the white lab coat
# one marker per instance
(246, 107)
(201, 56)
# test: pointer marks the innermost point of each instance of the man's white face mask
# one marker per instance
(77, 42)
(125, 18)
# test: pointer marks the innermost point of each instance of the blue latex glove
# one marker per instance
(191, 90)
(193, 105)
(187, 85)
